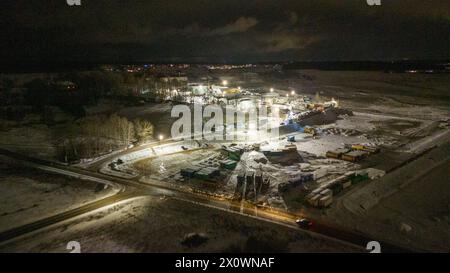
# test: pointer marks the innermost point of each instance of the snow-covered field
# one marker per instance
(159, 225)
(409, 206)
(36, 140)
(127, 170)
(29, 194)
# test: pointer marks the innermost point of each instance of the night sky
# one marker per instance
(223, 31)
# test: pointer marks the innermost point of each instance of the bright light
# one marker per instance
(271, 89)
(287, 95)
(246, 105)
(239, 87)
(292, 92)
(224, 82)
(161, 137)
(334, 102)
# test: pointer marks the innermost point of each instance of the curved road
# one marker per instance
(133, 189)
(39, 224)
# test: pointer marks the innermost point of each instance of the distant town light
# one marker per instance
(293, 92)
(287, 95)
(224, 82)
(271, 89)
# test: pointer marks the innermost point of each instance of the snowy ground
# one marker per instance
(373, 87)
(33, 139)
(166, 169)
(387, 131)
(29, 194)
(127, 169)
(410, 206)
(159, 225)
(160, 164)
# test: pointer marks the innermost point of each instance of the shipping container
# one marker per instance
(314, 201)
(346, 184)
(188, 172)
(325, 201)
(326, 192)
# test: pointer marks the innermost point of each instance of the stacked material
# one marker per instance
(200, 173)
(337, 153)
(228, 164)
(354, 156)
(320, 198)
(233, 152)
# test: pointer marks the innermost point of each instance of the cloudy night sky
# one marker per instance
(223, 30)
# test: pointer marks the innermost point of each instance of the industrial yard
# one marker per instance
(225, 135)
(335, 159)
(322, 150)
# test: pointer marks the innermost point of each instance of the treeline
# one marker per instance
(71, 92)
(97, 135)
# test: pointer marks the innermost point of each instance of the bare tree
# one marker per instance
(143, 129)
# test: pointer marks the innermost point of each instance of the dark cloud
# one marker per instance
(223, 30)
(242, 24)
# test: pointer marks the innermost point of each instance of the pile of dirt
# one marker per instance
(194, 239)
(329, 116)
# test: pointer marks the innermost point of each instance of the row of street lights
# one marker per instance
(225, 83)
(287, 95)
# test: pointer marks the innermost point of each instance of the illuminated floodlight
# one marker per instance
(224, 82)
(287, 95)
(292, 92)
(271, 89)
(239, 88)
(161, 137)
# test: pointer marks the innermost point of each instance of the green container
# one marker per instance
(201, 175)
(230, 164)
(357, 178)
(336, 188)
(234, 156)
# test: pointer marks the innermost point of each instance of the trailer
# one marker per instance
(369, 149)
(326, 193)
(354, 156)
(325, 201)
(337, 153)
(314, 200)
